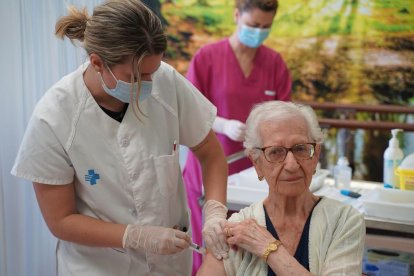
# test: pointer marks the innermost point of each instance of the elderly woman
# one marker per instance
(292, 231)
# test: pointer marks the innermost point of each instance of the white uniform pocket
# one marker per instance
(167, 168)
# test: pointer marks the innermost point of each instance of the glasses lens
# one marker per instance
(275, 154)
(303, 151)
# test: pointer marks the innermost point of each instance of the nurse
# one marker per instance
(102, 145)
(235, 73)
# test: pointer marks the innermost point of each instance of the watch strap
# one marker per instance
(271, 247)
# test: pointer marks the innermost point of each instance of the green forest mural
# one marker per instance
(345, 51)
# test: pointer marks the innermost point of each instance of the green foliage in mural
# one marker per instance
(348, 51)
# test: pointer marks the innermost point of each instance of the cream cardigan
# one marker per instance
(336, 241)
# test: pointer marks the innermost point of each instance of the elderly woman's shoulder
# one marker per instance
(255, 211)
(337, 208)
(332, 220)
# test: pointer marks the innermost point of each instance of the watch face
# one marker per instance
(273, 246)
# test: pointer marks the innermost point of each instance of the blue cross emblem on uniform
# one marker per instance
(91, 177)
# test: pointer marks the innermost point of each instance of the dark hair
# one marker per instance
(264, 5)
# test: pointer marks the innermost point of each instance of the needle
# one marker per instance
(195, 247)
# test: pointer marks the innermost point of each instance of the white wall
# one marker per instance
(32, 59)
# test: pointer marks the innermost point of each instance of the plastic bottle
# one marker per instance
(392, 159)
(405, 173)
(342, 173)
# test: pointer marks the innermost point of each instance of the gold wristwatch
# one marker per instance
(271, 247)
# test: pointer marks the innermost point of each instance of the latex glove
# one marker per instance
(233, 129)
(215, 215)
(155, 239)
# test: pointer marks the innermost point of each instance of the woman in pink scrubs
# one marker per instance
(235, 74)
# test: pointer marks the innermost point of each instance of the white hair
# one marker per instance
(273, 111)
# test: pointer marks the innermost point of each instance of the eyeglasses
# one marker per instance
(277, 154)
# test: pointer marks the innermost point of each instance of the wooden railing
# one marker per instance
(349, 110)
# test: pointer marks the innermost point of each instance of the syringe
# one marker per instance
(195, 247)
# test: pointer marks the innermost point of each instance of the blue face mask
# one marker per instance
(122, 90)
(252, 37)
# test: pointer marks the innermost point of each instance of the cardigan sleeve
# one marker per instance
(241, 262)
(337, 240)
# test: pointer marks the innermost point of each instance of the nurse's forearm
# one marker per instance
(57, 204)
(215, 171)
(90, 231)
(214, 168)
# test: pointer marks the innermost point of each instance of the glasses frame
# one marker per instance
(290, 149)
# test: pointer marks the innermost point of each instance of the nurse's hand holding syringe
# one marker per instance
(155, 239)
(193, 246)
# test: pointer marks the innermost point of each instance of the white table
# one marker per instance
(239, 196)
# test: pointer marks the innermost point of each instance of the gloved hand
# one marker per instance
(233, 129)
(155, 239)
(215, 215)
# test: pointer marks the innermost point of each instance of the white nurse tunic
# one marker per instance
(124, 172)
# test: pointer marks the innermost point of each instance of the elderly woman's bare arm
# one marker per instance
(211, 266)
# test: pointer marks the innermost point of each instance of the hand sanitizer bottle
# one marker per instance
(392, 159)
(342, 173)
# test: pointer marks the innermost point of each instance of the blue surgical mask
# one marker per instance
(252, 37)
(122, 90)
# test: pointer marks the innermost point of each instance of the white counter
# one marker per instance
(244, 189)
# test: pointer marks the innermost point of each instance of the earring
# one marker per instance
(260, 177)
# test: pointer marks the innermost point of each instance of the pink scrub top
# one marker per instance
(215, 71)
